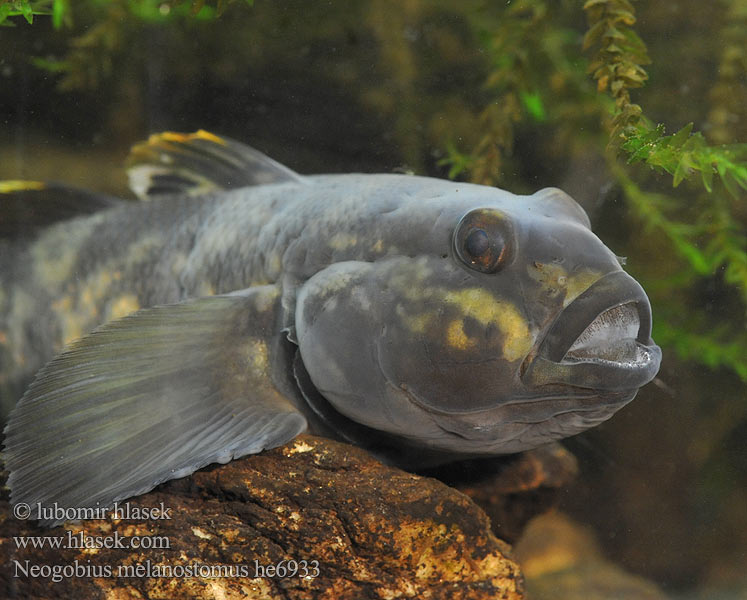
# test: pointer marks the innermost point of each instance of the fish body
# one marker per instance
(426, 320)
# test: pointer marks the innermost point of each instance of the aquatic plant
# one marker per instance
(152, 10)
(29, 8)
(91, 57)
(510, 80)
(711, 239)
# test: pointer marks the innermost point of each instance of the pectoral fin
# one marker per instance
(150, 397)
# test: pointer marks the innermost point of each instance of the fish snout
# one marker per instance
(601, 341)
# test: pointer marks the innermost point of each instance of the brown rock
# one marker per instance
(513, 489)
(562, 560)
(354, 527)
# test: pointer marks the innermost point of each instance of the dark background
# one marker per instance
(377, 86)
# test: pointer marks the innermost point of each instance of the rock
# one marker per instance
(321, 518)
(561, 560)
(513, 489)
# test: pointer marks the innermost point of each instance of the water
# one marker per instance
(376, 86)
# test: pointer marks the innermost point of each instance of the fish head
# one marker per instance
(506, 325)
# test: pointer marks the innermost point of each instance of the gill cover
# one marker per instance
(392, 343)
(343, 317)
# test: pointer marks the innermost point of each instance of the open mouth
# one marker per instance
(613, 351)
(611, 337)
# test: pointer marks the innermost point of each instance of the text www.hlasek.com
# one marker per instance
(82, 541)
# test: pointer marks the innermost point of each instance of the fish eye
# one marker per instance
(477, 243)
(480, 240)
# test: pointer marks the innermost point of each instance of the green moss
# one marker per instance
(712, 239)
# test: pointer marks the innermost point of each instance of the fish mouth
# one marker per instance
(611, 352)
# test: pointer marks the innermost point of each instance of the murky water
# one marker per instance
(382, 86)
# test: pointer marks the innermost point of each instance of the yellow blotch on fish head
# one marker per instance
(412, 284)
(417, 322)
(556, 280)
(417, 295)
(457, 338)
(486, 309)
(578, 283)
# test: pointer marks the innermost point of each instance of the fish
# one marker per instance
(239, 304)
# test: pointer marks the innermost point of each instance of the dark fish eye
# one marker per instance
(480, 240)
(477, 243)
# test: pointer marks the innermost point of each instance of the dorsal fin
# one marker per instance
(27, 206)
(200, 162)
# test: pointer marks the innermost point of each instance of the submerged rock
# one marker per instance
(313, 519)
(562, 560)
(513, 489)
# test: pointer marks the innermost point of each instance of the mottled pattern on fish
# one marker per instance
(87, 271)
(401, 313)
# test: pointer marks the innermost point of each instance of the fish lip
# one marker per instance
(549, 365)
